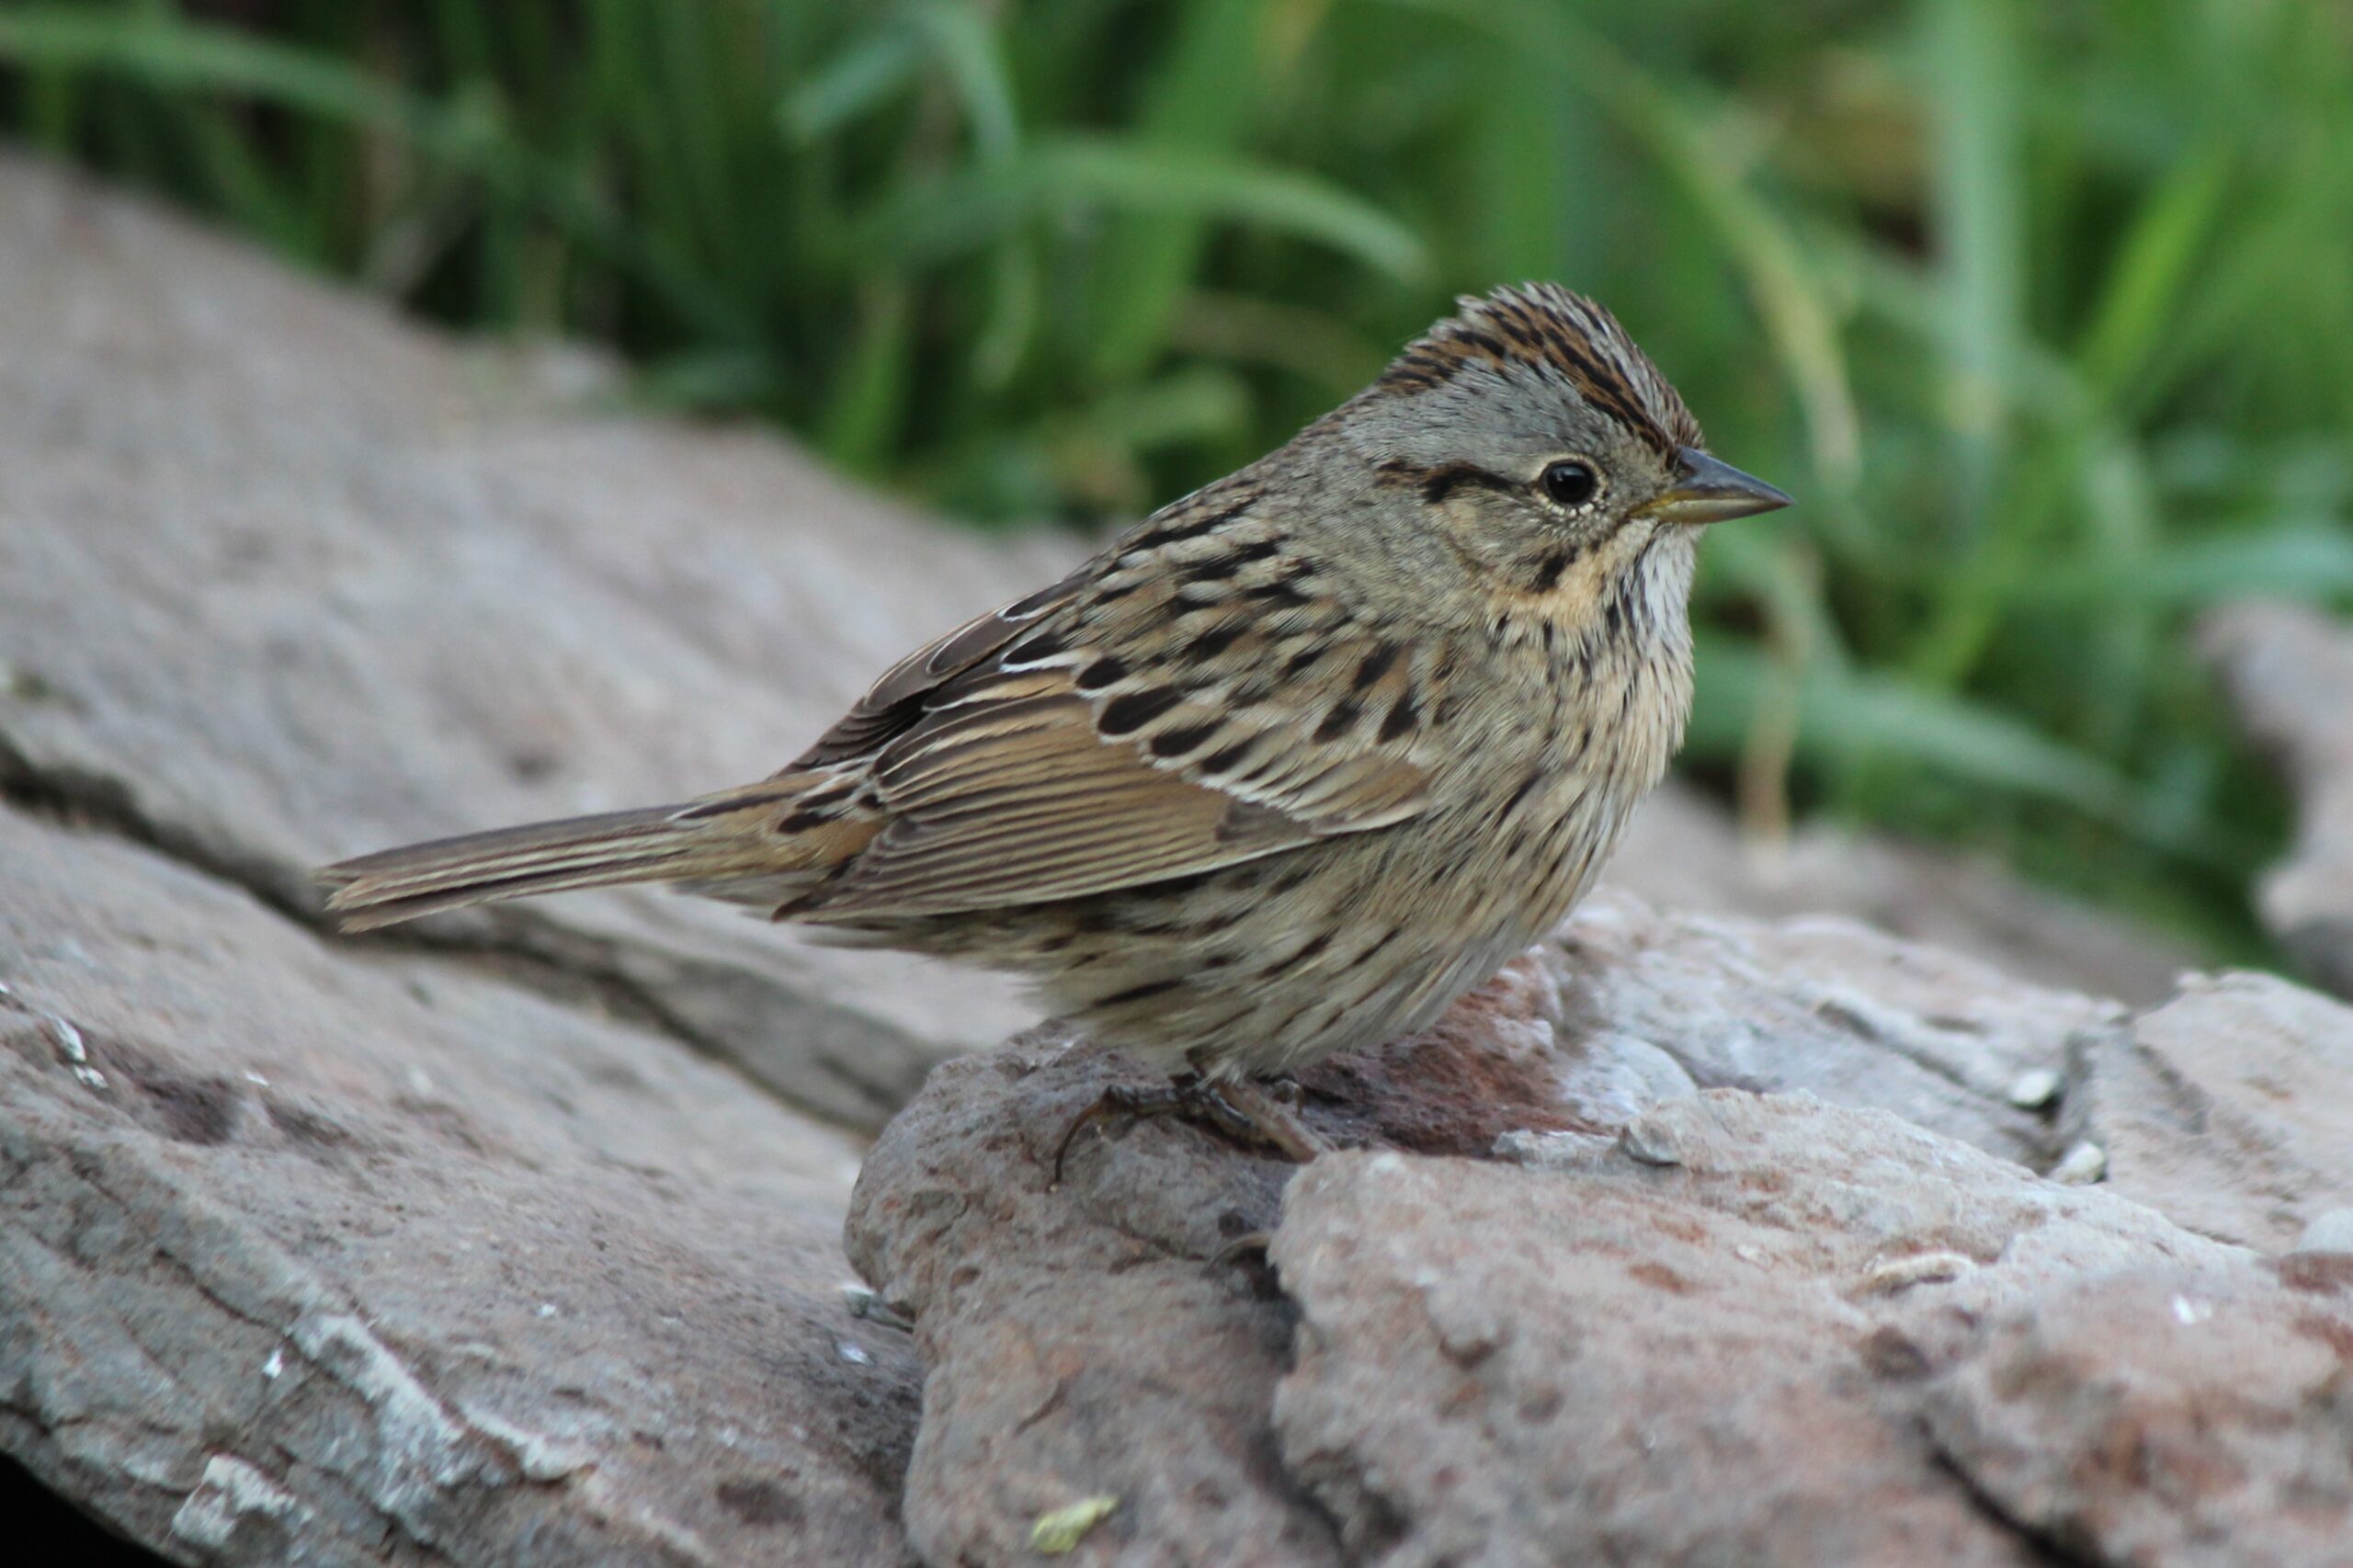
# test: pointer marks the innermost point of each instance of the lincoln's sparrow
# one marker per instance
(1289, 765)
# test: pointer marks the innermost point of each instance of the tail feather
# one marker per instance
(654, 843)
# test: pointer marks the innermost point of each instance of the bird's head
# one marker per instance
(1535, 445)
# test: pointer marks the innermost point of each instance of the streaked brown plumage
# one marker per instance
(1289, 765)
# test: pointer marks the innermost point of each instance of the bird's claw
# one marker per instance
(1247, 1113)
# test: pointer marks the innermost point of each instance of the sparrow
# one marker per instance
(1285, 769)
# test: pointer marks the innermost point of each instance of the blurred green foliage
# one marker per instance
(2043, 310)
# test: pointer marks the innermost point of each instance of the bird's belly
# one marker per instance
(1268, 966)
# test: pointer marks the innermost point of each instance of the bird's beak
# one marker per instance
(1708, 491)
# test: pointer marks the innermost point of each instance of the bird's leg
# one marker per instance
(1129, 1100)
(1250, 1110)
(1243, 1110)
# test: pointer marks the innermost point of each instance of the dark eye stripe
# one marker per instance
(1438, 483)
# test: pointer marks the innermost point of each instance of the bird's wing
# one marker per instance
(1187, 700)
(894, 703)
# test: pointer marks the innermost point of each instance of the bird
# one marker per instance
(1284, 768)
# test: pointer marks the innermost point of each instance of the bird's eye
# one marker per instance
(1570, 482)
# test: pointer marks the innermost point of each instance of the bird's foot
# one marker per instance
(1247, 1113)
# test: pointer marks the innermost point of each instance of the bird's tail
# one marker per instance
(667, 843)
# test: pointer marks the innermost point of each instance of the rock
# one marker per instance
(1711, 1356)
(1732, 1327)
(283, 579)
(2165, 1416)
(1114, 1336)
(1685, 852)
(2227, 1109)
(1826, 1005)
(1081, 1341)
(313, 1254)
(2288, 671)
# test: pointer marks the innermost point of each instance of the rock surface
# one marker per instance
(1704, 1343)
(2230, 1108)
(2167, 1415)
(1082, 1338)
(1678, 1323)
(1825, 1005)
(1684, 852)
(313, 1257)
(2289, 672)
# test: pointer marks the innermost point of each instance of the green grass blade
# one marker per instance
(1857, 719)
(1065, 176)
(188, 56)
(1199, 103)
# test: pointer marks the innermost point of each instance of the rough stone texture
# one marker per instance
(1087, 1339)
(2230, 1109)
(283, 579)
(1826, 1005)
(1671, 1325)
(2168, 1417)
(2287, 670)
(308, 1256)
(1701, 1344)
(1082, 1340)
(1684, 852)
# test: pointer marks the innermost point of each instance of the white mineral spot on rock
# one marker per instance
(2033, 1090)
(2081, 1166)
(229, 1490)
(2189, 1312)
(536, 1456)
(544, 1310)
(855, 1355)
(1900, 1274)
(275, 1366)
(72, 1047)
(423, 1445)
